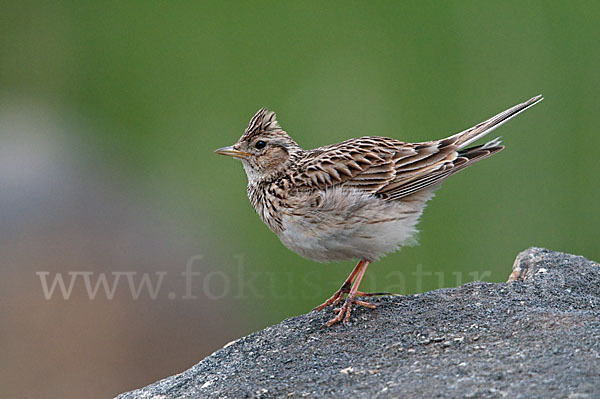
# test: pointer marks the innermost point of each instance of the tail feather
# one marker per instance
(468, 136)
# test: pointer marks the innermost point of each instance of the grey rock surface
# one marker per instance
(536, 336)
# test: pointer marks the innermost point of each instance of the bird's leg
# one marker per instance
(344, 289)
(344, 311)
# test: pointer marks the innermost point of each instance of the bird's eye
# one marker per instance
(260, 145)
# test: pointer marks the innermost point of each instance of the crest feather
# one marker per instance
(264, 120)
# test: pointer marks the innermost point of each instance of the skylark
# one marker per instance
(358, 199)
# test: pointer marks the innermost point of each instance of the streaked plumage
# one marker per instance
(360, 198)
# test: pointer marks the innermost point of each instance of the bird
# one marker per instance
(357, 199)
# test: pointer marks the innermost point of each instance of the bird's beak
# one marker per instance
(230, 151)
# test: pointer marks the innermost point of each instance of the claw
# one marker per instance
(349, 287)
(335, 299)
(360, 293)
(344, 311)
(338, 300)
(365, 304)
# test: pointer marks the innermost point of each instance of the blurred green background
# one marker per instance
(110, 112)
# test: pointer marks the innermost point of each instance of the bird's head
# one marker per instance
(264, 148)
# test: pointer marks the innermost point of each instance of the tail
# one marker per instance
(454, 157)
(468, 136)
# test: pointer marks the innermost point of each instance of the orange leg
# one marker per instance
(344, 311)
(344, 289)
(350, 288)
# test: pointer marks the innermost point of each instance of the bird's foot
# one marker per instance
(343, 312)
(335, 299)
(358, 293)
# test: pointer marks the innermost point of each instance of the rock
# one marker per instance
(536, 336)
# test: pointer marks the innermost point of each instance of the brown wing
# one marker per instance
(386, 167)
(392, 169)
(434, 172)
(366, 163)
(377, 165)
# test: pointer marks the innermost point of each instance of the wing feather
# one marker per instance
(391, 169)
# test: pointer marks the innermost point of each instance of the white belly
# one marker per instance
(349, 224)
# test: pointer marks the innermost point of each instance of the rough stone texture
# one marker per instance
(537, 336)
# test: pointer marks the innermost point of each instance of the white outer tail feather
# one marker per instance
(494, 143)
(494, 122)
